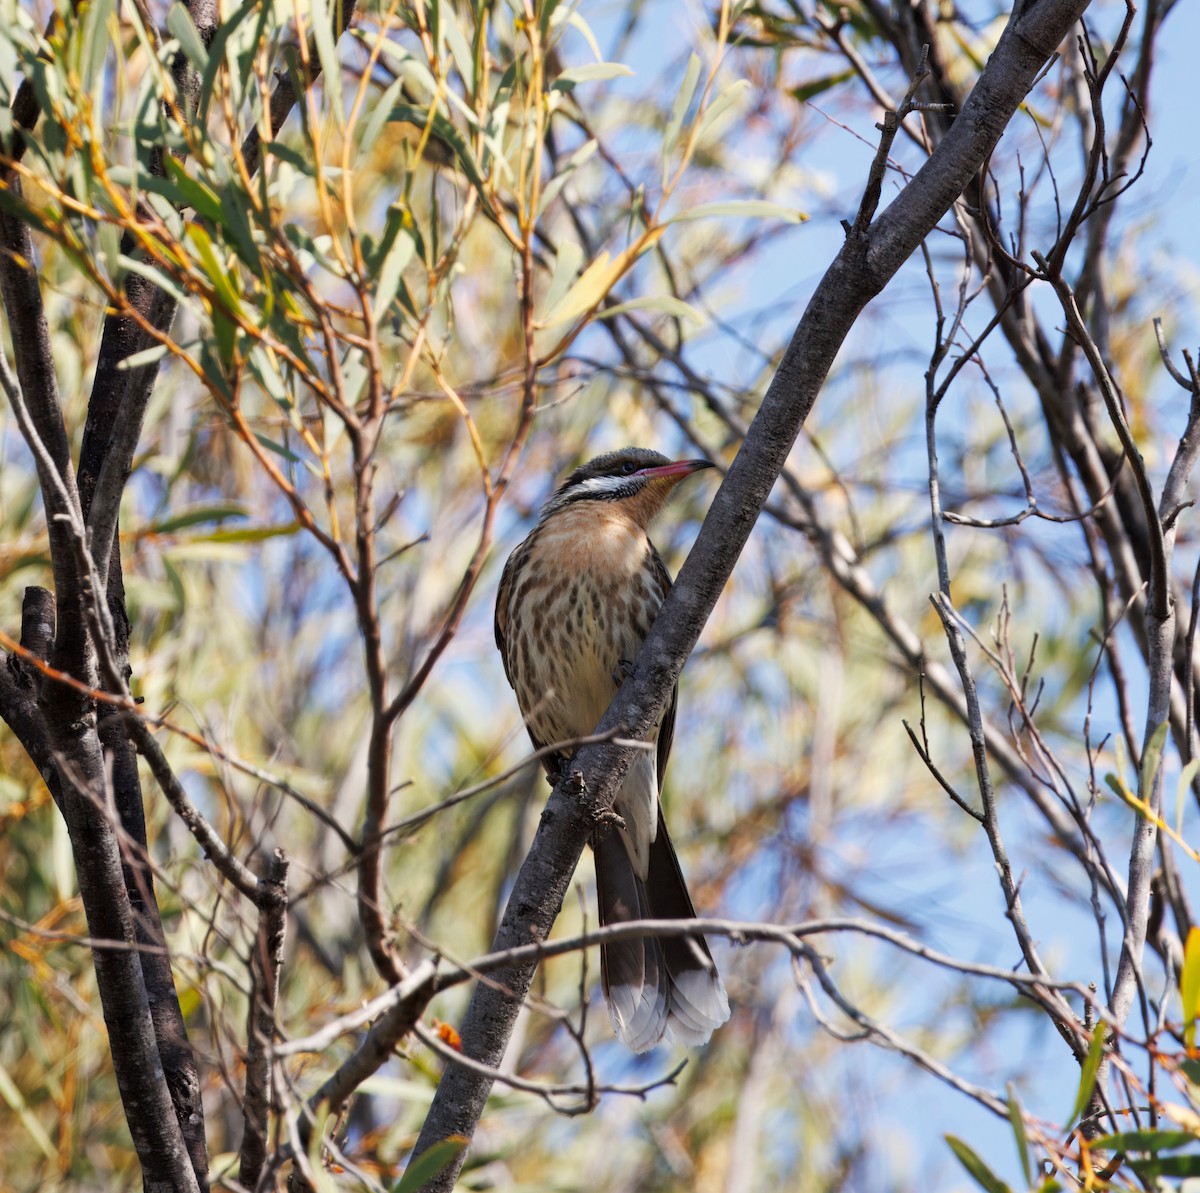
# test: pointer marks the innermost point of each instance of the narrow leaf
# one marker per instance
(397, 254)
(1018, 1125)
(194, 517)
(380, 113)
(566, 266)
(565, 172)
(1167, 1166)
(443, 129)
(593, 72)
(1088, 1071)
(216, 52)
(202, 199)
(1151, 759)
(679, 109)
(213, 268)
(983, 1176)
(757, 209)
(589, 290)
(1189, 986)
(1144, 1141)
(184, 31)
(712, 119)
(1186, 777)
(430, 1164)
(460, 49)
(147, 356)
(666, 304)
(331, 67)
(817, 86)
(252, 534)
(11, 1094)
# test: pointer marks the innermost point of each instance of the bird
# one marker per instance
(576, 600)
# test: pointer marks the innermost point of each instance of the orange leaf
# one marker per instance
(448, 1035)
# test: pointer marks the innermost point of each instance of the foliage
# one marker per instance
(491, 241)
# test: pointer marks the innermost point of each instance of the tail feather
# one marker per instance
(655, 987)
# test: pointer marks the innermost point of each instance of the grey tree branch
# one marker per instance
(861, 269)
(266, 960)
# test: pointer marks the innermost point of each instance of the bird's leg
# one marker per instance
(624, 670)
(602, 818)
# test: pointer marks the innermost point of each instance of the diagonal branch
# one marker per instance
(862, 268)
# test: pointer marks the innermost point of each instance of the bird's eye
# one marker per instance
(630, 466)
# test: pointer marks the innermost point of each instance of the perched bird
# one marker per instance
(576, 600)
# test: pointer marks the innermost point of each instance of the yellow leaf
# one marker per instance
(1189, 986)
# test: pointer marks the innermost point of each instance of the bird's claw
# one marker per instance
(607, 818)
(624, 670)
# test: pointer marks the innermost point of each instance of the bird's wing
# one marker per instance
(552, 761)
(501, 623)
(666, 728)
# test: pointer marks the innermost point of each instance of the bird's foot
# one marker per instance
(624, 670)
(608, 818)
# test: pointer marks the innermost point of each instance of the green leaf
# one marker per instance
(278, 449)
(213, 268)
(1167, 1166)
(1151, 759)
(331, 67)
(175, 582)
(683, 101)
(397, 248)
(95, 31)
(409, 114)
(1144, 1141)
(545, 15)
(184, 31)
(1117, 786)
(202, 199)
(224, 336)
(1088, 1071)
(1186, 776)
(566, 170)
(153, 274)
(592, 286)
(1018, 1125)
(572, 18)
(593, 72)
(251, 534)
(460, 49)
(751, 209)
(193, 517)
(147, 356)
(430, 1164)
(293, 157)
(815, 87)
(984, 1177)
(1189, 986)
(666, 304)
(11, 1093)
(713, 117)
(373, 125)
(566, 266)
(216, 53)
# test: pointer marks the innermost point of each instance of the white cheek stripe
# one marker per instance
(603, 484)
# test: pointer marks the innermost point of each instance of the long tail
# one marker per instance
(655, 987)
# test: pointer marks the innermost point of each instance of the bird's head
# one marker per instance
(637, 479)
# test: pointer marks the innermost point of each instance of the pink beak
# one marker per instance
(678, 468)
